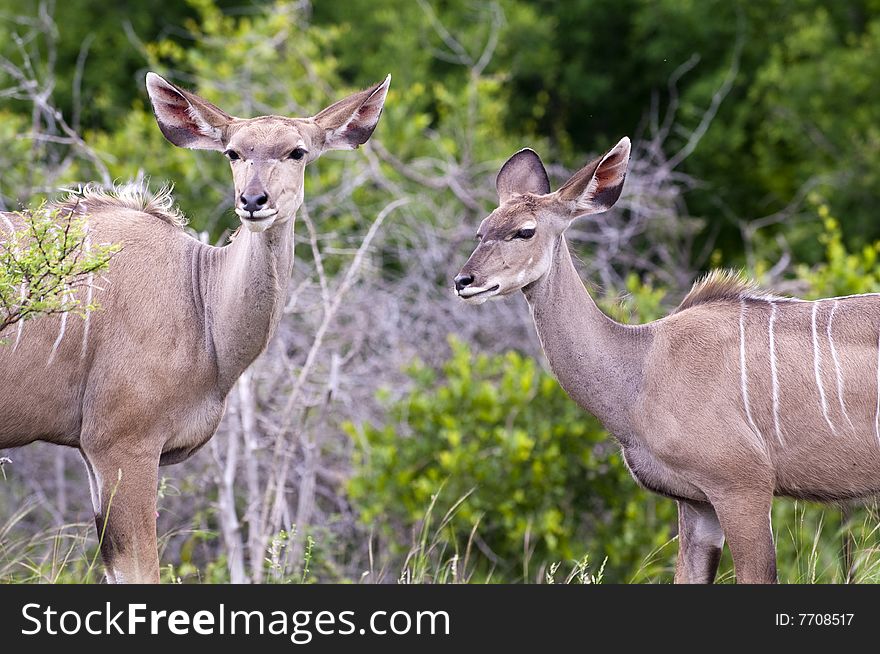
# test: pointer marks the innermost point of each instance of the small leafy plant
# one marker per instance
(46, 255)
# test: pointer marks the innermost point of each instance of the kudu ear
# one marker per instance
(523, 173)
(351, 121)
(597, 186)
(184, 118)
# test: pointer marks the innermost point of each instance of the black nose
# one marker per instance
(462, 280)
(253, 202)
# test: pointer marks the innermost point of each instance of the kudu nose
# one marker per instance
(253, 202)
(462, 280)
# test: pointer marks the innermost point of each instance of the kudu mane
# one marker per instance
(725, 286)
(93, 198)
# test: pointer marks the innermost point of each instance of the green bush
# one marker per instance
(545, 477)
(44, 262)
(842, 272)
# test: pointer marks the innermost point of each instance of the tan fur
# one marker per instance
(143, 382)
(735, 397)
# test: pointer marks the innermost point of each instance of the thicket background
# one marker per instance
(390, 432)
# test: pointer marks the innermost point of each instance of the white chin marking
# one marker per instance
(480, 299)
(258, 225)
(258, 221)
(479, 294)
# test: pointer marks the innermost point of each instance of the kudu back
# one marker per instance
(735, 397)
(143, 381)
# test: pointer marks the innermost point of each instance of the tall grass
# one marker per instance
(809, 539)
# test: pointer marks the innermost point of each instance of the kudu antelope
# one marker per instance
(143, 382)
(734, 397)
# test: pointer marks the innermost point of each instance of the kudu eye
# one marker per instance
(232, 154)
(525, 233)
(297, 154)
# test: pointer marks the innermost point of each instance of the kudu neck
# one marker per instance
(599, 362)
(244, 296)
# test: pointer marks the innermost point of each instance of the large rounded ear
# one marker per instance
(351, 121)
(597, 186)
(184, 118)
(522, 173)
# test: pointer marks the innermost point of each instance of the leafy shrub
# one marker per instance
(842, 272)
(44, 262)
(546, 480)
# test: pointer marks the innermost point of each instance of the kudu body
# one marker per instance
(735, 397)
(143, 381)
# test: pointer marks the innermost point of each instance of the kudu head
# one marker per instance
(517, 241)
(268, 154)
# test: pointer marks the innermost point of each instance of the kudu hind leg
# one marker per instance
(126, 521)
(700, 540)
(95, 493)
(745, 519)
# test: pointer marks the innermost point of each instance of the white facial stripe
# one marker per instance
(531, 224)
(837, 371)
(743, 374)
(817, 369)
(774, 377)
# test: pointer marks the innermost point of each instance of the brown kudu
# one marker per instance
(143, 382)
(733, 398)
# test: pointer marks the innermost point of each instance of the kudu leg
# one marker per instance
(95, 493)
(126, 521)
(745, 519)
(700, 540)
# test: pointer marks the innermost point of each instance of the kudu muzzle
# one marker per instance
(253, 205)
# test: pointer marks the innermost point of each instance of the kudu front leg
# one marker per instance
(700, 540)
(126, 521)
(745, 520)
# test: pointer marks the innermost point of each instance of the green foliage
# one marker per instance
(842, 272)
(106, 40)
(822, 115)
(565, 76)
(44, 263)
(541, 477)
(642, 303)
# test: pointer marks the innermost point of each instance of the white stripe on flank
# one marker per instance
(89, 293)
(87, 247)
(877, 414)
(8, 223)
(20, 327)
(742, 372)
(774, 378)
(817, 367)
(837, 370)
(60, 336)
